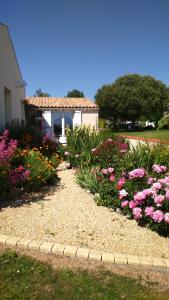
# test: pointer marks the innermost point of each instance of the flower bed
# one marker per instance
(136, 182)
(142, 196)
(24, 168)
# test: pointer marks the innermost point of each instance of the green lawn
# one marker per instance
(152, 134)
(24, 278)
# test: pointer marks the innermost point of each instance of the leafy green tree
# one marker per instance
(39, 93)
(132, 97)
(75, 94)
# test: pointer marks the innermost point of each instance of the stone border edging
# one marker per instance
(85, 253)
(149, 140)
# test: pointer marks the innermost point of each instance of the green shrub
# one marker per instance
(80, 142)
(27, 135)
(144, 156)
(102, 123)
(82, 138)
(164, 123)
(103, 189)
(138, 157)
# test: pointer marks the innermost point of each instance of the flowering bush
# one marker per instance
(41, 169)
(18, 175)
(24, 167)
(144, 197)
(109, 152)
(9, 177)
(7, 148)
(141, 195)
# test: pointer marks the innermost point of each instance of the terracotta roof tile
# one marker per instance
(51, 102)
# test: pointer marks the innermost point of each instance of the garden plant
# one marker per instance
(134, 181)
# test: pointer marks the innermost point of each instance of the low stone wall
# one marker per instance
(134, 141)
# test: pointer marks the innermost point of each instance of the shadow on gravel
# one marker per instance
(18, 197)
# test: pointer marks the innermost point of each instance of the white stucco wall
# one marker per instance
(9, 75)
(77, 118)
(90, 118)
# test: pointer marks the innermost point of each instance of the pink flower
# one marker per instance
(139, 197)
(104, 171)
(124, 204)
(167, 194)
(149, 211)
(27, 173)
(109, 140)
(159, 199)
(166, 218)
(122, 194)
(132, 204)
(151, 180)
(121, 182)
(110, 170)
(158, 216)
(67, 165)
(6, 133)
(156, 186)
(137, 173)
(112, 177)
(66, 153)
(93, 150)
(159, 169)
(137, 213)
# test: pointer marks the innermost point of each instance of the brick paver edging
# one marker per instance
(73, 251)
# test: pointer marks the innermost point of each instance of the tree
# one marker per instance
(39, 93)
(132, 97)
(75, 94)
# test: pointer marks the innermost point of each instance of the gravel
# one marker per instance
(70, 215)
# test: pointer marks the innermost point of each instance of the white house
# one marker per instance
(12, 86)
(58, 113)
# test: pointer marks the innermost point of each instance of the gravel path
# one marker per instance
(70, 216)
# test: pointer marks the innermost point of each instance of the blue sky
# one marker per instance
(83, 44)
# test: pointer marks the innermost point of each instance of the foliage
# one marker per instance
(141, 195)
(117, 177)
(40, 93)
(102, 123)
(163, 123)
(145, 156)
(80, 141)
(132, 97)
(41, 169)
(139, 156)
(82, 138)
(24, 278)
(9, 176)
(75, 94)
(24, 167)
(110, 152)
(28, 135)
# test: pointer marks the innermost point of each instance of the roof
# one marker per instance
(51, 102)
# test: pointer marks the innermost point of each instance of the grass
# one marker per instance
(23, 278)
(152, 134)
